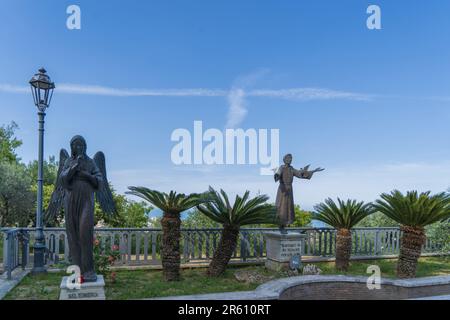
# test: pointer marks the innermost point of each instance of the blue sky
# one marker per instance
(371, 106)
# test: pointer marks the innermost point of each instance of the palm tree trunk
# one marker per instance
(343, 249)
(170, 251)
(224, 250)
(411, 244)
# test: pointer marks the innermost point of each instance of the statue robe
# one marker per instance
(285, 197)
(79, 204)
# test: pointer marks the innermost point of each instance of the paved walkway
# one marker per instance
(7, 285)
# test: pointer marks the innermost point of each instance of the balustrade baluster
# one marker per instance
(331, 242)
(66, 249)
(200, 245)
(207, 234)
(398, 241)
(261, 245)
(320, 242)
(192, 246)
(146, 234)
(138, 246)
(255, 247)
(57, 240)
(154, 236)
(315, 242)
(215, 233)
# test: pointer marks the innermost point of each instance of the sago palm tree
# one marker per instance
(172, 205)
(413, 211)
(244, 211)
(343, 218)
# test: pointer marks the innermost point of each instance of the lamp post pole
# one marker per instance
(39, 242)
(42, 89)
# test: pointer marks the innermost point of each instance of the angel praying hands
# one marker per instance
(285, 197)
(79, 178)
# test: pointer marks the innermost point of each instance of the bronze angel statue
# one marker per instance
(79, 179)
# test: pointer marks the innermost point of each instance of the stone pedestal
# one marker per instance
(87, 290)
(281, 247)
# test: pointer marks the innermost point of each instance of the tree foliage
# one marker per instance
(49, 173)
(377, 219)
(17, 200)
(16, 197)
(439, 233)
(130, 214)
(196, 219)
(302, 218)
(9, 143)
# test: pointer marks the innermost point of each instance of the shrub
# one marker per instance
(104, 256)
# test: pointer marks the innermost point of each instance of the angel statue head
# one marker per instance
(81, 180)
(78, 146)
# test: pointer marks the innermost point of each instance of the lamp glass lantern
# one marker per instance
(42, 89)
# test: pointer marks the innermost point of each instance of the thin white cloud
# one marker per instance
(13, 89)
(81, 89)
(237, 108)
(237, 104)
(235, 94)
(108, 91)
(305, 94)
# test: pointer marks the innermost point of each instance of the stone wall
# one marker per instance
(359, 291)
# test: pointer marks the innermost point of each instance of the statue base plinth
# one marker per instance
(86, 291)
(281, 247)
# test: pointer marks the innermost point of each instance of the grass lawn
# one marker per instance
(138, 284)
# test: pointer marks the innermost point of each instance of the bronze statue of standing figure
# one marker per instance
(285, 198)
(79, 179)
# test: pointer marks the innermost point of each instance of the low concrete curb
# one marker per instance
(447, 297)
(273, 290)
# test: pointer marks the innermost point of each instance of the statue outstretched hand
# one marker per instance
(315, 170)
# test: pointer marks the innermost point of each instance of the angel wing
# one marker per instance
(103, 194)
(57, 197)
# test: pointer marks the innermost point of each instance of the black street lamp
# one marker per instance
(42, 89)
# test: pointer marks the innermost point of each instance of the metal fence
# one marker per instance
(141, 246)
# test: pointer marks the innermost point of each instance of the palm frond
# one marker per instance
(244, 211)
(414, 209)
(173, 202)
(344, 214)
